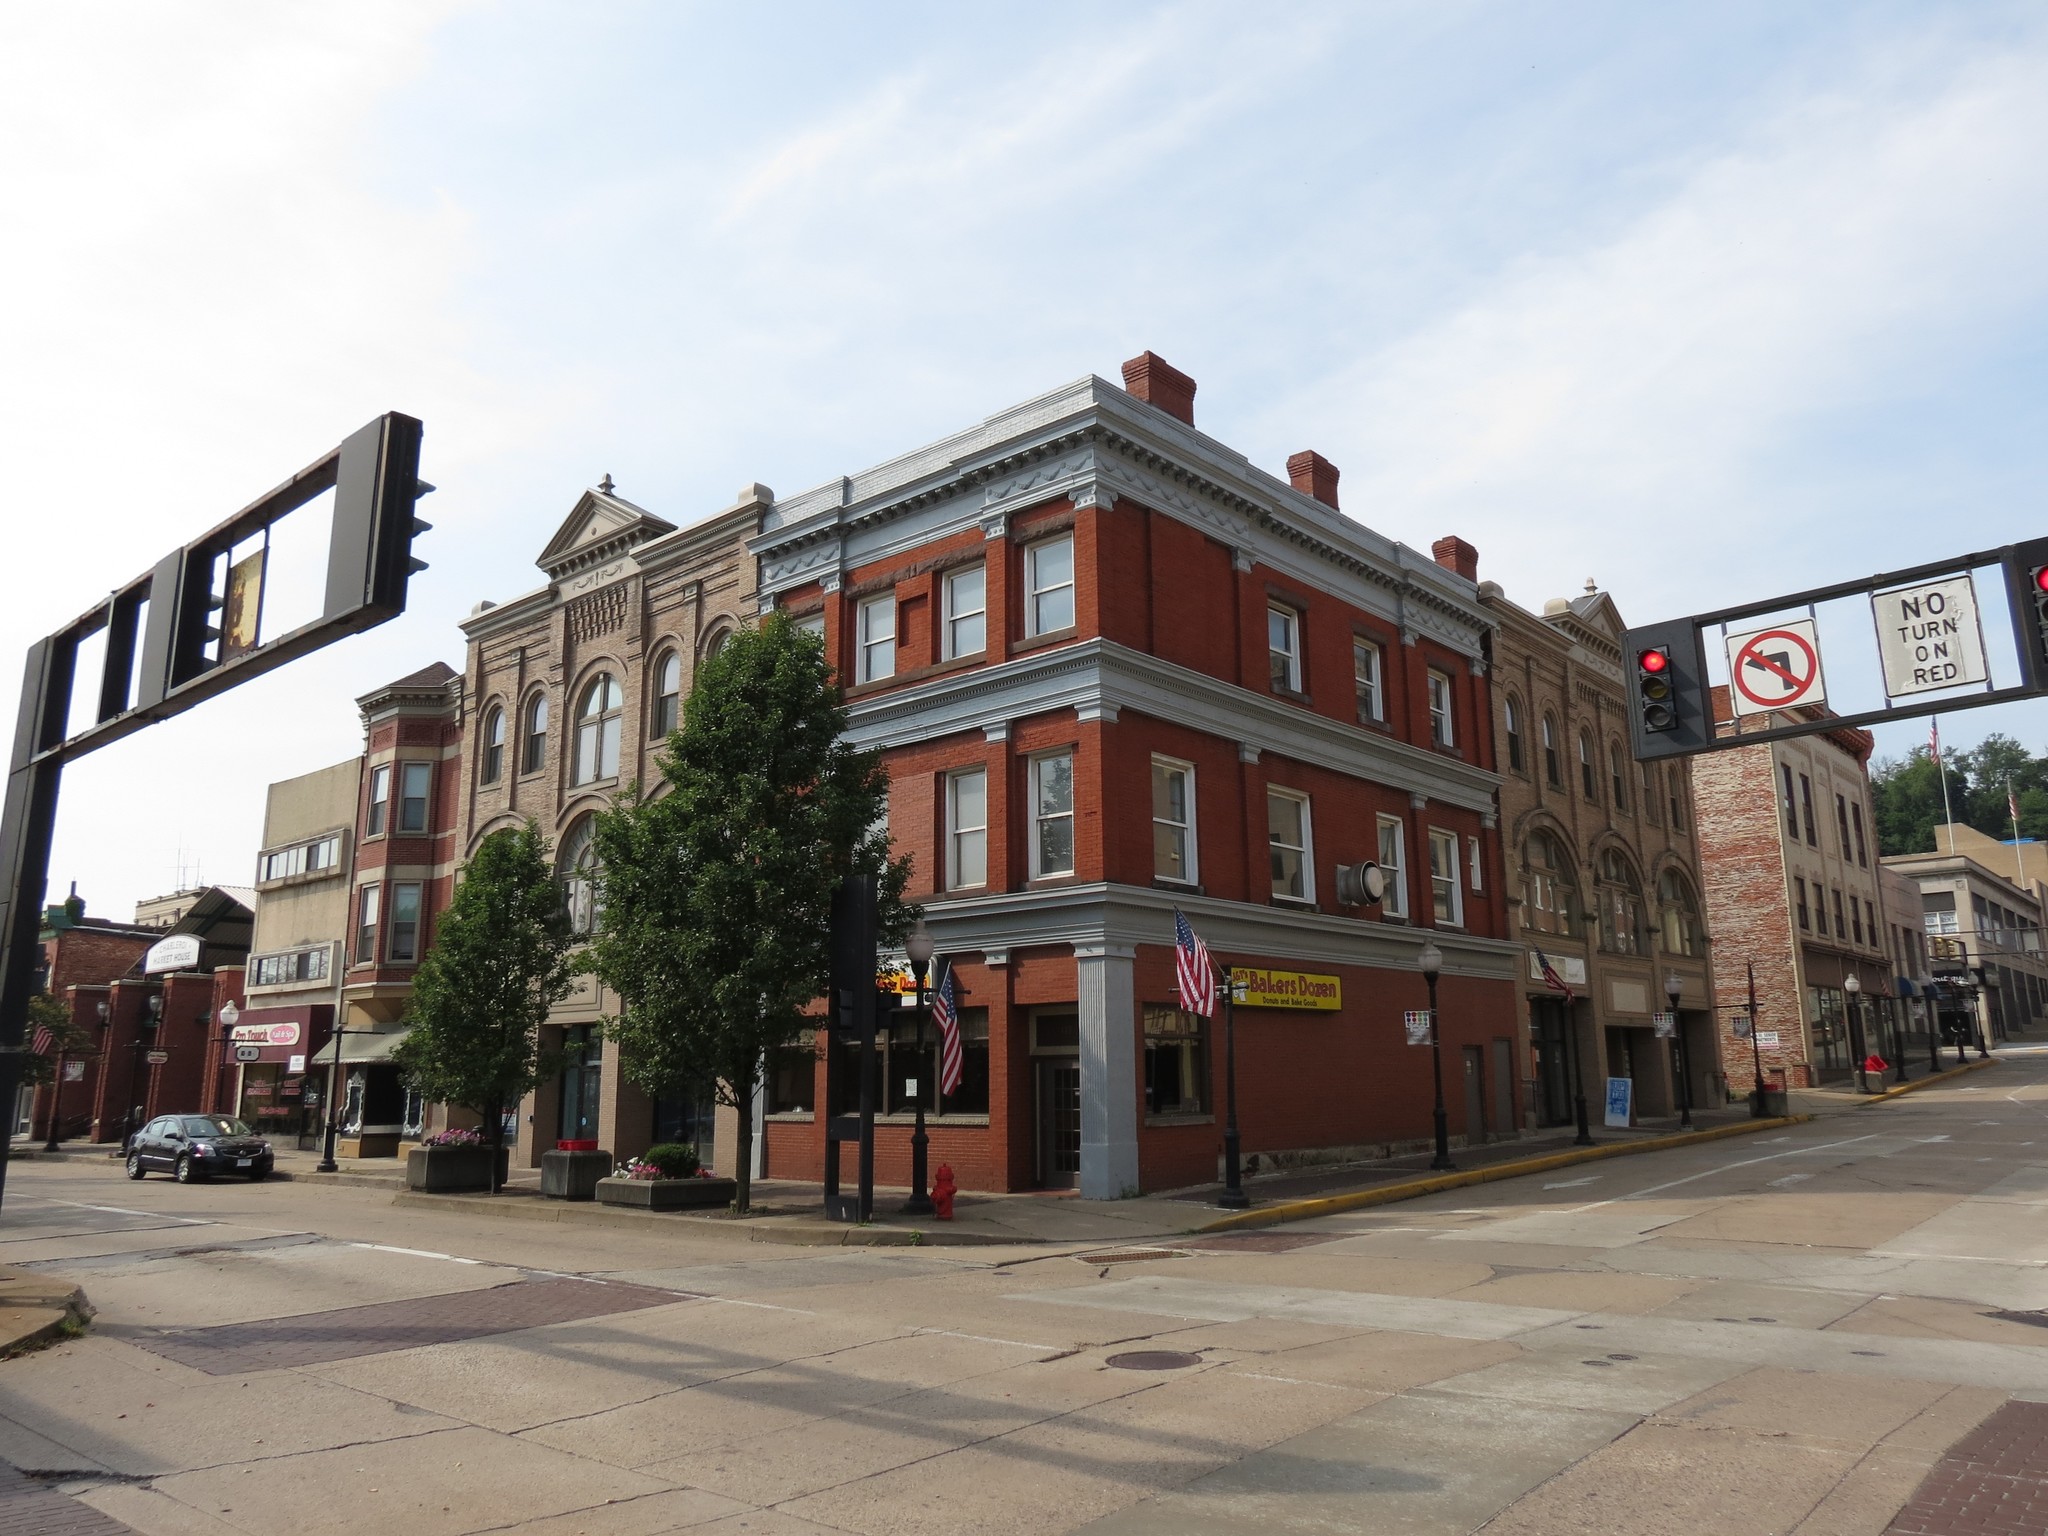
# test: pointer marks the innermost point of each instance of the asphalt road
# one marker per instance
(1774, 1333)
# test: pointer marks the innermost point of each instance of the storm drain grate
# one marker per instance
(1153, 1360)
(315, 1338)
(1257, 1242)
(1129, 1255)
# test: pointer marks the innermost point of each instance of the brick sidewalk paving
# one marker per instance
(29, 1508)
(1992, 1482)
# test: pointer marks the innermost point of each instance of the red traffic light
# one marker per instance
(1657, 661)
(2041, 579)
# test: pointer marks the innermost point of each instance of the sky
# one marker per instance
(1706, 304)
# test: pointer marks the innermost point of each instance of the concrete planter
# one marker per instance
(573, 1175)
(666, 1194)
(448, 1170)
(1777, 1102)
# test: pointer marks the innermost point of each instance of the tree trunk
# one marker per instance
(743, 1169)
(497, 1145)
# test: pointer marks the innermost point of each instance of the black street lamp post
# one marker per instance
(918, 946)
(327, 1163)
(154, 1004)
(1756, 1053)
(1673, 985)
(1432, 962)
(1859, 1045)
(1233, 1197)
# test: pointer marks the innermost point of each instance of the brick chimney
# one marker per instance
(1157, 382)
(1454, 554)
(1314, 475)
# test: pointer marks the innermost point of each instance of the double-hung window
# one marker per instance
(1394, 866)
(1440, 728)
(1287, 842)
(404, 940)
(534, 749)
(1791, 808)
(966, 829)
(667, 713)
(494, 746)
(812, 624)
(1365, 678)
(369, 906)
(380, 800)
(1049, 585)
(1446, 896)
(878, 638)
(414, 782)
(1862, 848)
(1588, 778)
(1052, 815)
(1806, 810)
(966, 611)
(1173, 820)
(1283, 647)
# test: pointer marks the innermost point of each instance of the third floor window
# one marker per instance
(1049, 585)
(597, 730)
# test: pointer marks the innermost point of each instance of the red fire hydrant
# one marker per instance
(943, 1190)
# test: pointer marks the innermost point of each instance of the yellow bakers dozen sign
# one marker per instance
(1257, 988)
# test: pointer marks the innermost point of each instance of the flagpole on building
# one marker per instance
(1948, 816)
(1233, 1198)
(2012, 804)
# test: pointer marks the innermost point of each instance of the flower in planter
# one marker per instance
(454, 1138)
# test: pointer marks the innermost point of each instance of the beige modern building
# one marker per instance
(1602, 873)
(575, 686)
(1977, 916)
(293, 981)
(1789, 853)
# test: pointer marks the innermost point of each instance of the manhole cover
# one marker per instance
(1153, 1360)
(1130, 1255)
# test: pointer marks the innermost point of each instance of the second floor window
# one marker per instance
(967, 829)
(1052, 815)
(667, 713)
(1288, 845)
(877, 638)
(597, 730)
(404, 942)
(1550, 897)
(1799, 899)
(1173, 820)
(415, 781)
(966, 611)
(1551, 771)
(1049, 586)
(380, 801)
(534, 748)
(1511, 718)
(582, 890)
(494, 747)
(1365, 678)
(1283, 647)
(1394, 867)
(1588, 780)
(369, 906)
(312, 858)
(1446, 897)
(1440, 730)
(1617, 775)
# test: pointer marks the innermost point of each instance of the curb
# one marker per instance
(1388, 1194)
(34, 1311)
(1918, 1083)
(807, 1234)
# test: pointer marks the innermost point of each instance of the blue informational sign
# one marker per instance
(1620, 1092)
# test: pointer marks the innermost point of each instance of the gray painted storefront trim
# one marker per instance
(1102, 675)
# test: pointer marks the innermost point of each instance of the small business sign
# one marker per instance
(179, 952)
(1416, 1022)
(1767, 1038)
(1928, 636)
(1775, 668)
(157, 1058)
(74, 1071)
(283, 1033)
(1620, 1098)
(295, 1066)
(1667, 1025)
(1256, 987)
(1572, 968)
(247, 1053)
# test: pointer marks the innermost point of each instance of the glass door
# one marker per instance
(582, 1063)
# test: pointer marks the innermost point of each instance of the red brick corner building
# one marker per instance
(1114, 669)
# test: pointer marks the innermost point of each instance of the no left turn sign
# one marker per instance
(1775, 668)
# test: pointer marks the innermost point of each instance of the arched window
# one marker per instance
(716, 642)
(1550, 769)
(1589, 779)
(494, 745)
(668, 696)
(1512, 714)
(533, 754)
(1617, 770)
(597, 730)
(582, 893)
(1621, 905)
(1550, 891)
(1679, 911)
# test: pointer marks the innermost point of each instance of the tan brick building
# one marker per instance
(1602, 870)
(573, 689)
(1789, 852)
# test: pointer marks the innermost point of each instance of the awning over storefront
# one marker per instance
(360, 1048)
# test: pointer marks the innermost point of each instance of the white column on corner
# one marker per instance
(1108, 1000)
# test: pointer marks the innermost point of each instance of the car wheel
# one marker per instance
(183, 1171)
(135, 1168)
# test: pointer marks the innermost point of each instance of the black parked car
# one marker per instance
(190, 1147)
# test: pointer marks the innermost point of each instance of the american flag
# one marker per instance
(43, 1043)
(1193, 969)
(1934, 737)
(2012, 803)
(947, 1016)
(1552, 980)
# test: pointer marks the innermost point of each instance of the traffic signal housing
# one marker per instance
(2026, 589)
(1666, 669)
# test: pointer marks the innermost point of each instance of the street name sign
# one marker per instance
(1775, 668)
(1929, 637)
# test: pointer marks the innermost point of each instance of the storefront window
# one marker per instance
(1830, 1028)
(793, 1076)
(1176, 1061)
(903, 1064)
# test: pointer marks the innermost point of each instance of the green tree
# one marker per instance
(499, 962)
(1905, 800)
(46, 1012)
(717, 887)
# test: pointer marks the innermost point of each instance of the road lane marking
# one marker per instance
(1573, 1183)
(428, 1253)
(1790, 1178)
(1826, 1146)
(122, 1210)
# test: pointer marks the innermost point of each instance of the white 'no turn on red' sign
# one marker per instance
(1928, 636)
